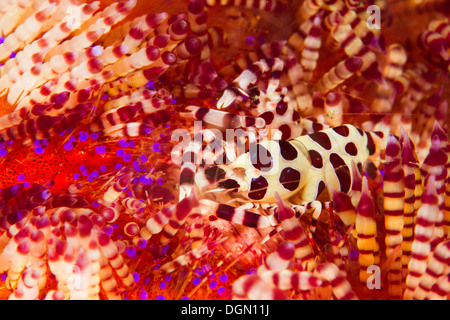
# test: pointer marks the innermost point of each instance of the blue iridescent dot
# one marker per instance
(120, 152)
(100, 150)
(108, 230)
(353, 254)
(95, 203)
(163, 285)
(143, 158)
(159, 297)
(76, 176)
(127, 157)
(83, 136)
(4, 276)
(39, 150)
(143, 295)
(136, 276)
(82, 168)
(118, 166)
(3, 153)
(221, 290)
(68, 146)
(123, 143)
(13, 55)
(85, 173)
(156, 147)
(223, 278)
(196, 281)
(20, 178)
(130, 251)
(151, 85)
(103, 168)
(143, 179)
(2, 39)
(213, 284)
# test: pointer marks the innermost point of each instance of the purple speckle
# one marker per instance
(353, 254)
(94, 136)
(160, 181)
(156, 147)
(39, 150)
(21, 178)
(26, 184)
(103, 168)
(221, 290)
(108, 230)
(118, 166)
(223, 278)
(100, 150)
(76, 176)
(83, 136)
(127, 157)
(196, 281)
(151, 85)
(163, 285)
(213, 284)
(3, 152)
(2, 39)
(136, 276)
(123, 143)
(250, 41)
(68, 146)
(143, 158)
(130, 251)
(95, 203)
(167, 277)
(120, 152)
(141, 244)
(13, 55)
(143, 295)
(185, 298)
(159, 297)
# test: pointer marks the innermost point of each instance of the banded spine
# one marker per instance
(394, 201)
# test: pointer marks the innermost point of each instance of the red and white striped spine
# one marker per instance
(342, 289)
(423, 232)
(394, 198)
(366, 228)
(437, 265)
